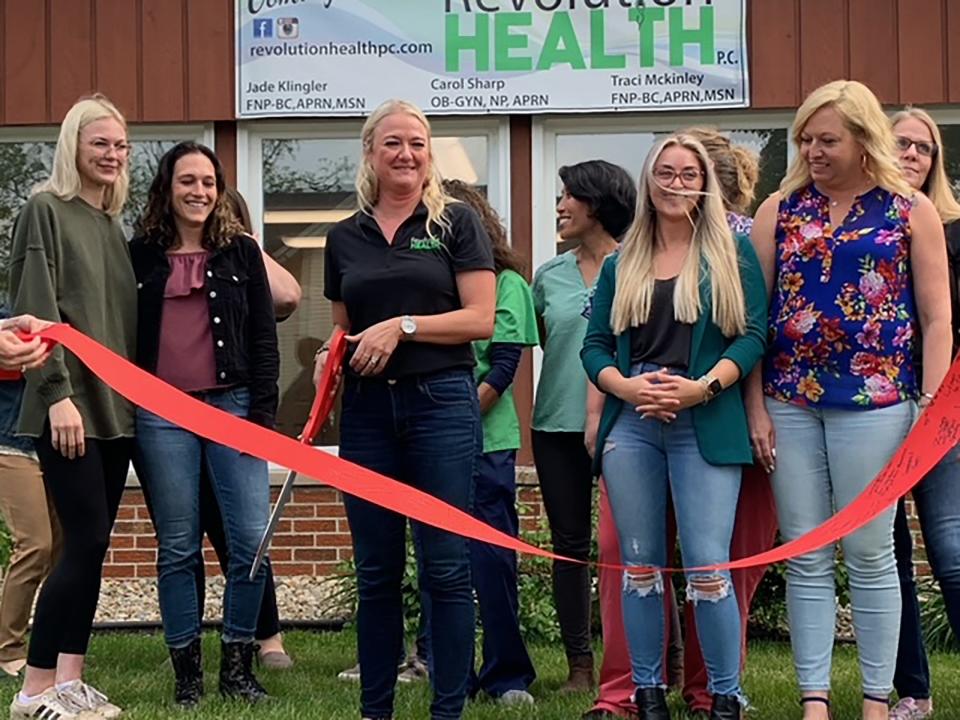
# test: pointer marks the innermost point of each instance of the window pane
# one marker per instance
(630, 150)
(22, 165)
(144, 160)
(951, 153)
(307, 187)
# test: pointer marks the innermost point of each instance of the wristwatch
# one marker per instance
(408, 326)
(711, 387)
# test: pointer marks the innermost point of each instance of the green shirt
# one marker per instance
(69, 262)
(561, 299)
(516, 324)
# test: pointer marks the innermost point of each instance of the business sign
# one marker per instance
(345, 57)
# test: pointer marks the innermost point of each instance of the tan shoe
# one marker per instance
(86, 696)
(49, 705)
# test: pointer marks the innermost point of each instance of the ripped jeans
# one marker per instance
(643, 460)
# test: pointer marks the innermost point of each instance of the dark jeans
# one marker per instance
(170, 460)
(423, 431)
(937, 500)
(86, 493)
(506, 664)
(566, 483)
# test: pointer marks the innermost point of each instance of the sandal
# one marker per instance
(817, 698)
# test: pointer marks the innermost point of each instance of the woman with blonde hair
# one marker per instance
(936, 497)
(857, 265)
(70, 263)
(677, 320)
(410, 276)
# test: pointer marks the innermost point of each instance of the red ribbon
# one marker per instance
(934, 434)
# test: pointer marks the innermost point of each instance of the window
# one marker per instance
(299, 181)
(26, 160)
(626, 140)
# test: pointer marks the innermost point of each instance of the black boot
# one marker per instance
(652, 704)
(236, 672)
(725, 707)
(189, 673)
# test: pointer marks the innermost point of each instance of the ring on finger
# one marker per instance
(374, 359)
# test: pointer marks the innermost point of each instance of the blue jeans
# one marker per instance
(644, 460)
(825, 458)
(170, 460)
(937, 499)
(423, 431)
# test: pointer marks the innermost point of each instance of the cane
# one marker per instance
(319, 412)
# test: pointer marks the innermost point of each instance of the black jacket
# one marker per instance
(241, 318)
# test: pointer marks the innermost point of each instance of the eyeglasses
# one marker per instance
(927, 149)
(102, 147)
(666, 175)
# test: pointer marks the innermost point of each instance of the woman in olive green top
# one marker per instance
(70, 263)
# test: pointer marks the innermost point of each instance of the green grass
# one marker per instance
(132, 670)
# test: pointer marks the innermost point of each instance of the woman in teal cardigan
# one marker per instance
(679, 318)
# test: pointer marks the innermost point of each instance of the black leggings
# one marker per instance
(566, 484)
(211, 523)
(86, 493)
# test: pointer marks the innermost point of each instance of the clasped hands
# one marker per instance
(660, 394)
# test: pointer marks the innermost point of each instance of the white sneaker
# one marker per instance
(86, 696)
(49, 705)
(515, 697)
(351, 674)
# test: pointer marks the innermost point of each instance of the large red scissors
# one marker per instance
(319, 412)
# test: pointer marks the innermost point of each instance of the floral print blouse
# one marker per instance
(842, 317)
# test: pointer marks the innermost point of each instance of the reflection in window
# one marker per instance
(307, 188)
(22, 165)
(630, 150)
(25, 164)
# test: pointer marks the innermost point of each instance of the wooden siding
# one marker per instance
(907, 51)
(173, 60)
(158, 60)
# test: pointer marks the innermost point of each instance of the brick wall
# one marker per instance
(312, 538)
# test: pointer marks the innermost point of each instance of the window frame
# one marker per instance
(200, 132)
(252, 133)
(544, 165)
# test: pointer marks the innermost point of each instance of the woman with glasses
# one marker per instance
(678, 319)
(858, 266)
(937, 497)
(69, 262)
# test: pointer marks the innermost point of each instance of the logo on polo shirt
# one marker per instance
(425, 244)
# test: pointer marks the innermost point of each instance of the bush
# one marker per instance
(937, 633)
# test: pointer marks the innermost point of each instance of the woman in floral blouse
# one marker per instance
(858, 269)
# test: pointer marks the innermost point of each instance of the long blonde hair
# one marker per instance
(367, 184)
(737, 167)
(862, 115)
(937, 185)
(64, 181)
(712, 244)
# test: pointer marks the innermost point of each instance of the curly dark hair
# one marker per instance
(156, 224)
(607, 188)
(504, 256)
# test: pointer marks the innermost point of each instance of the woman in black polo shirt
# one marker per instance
(411, 277)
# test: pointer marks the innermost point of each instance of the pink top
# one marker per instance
(185, 358)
